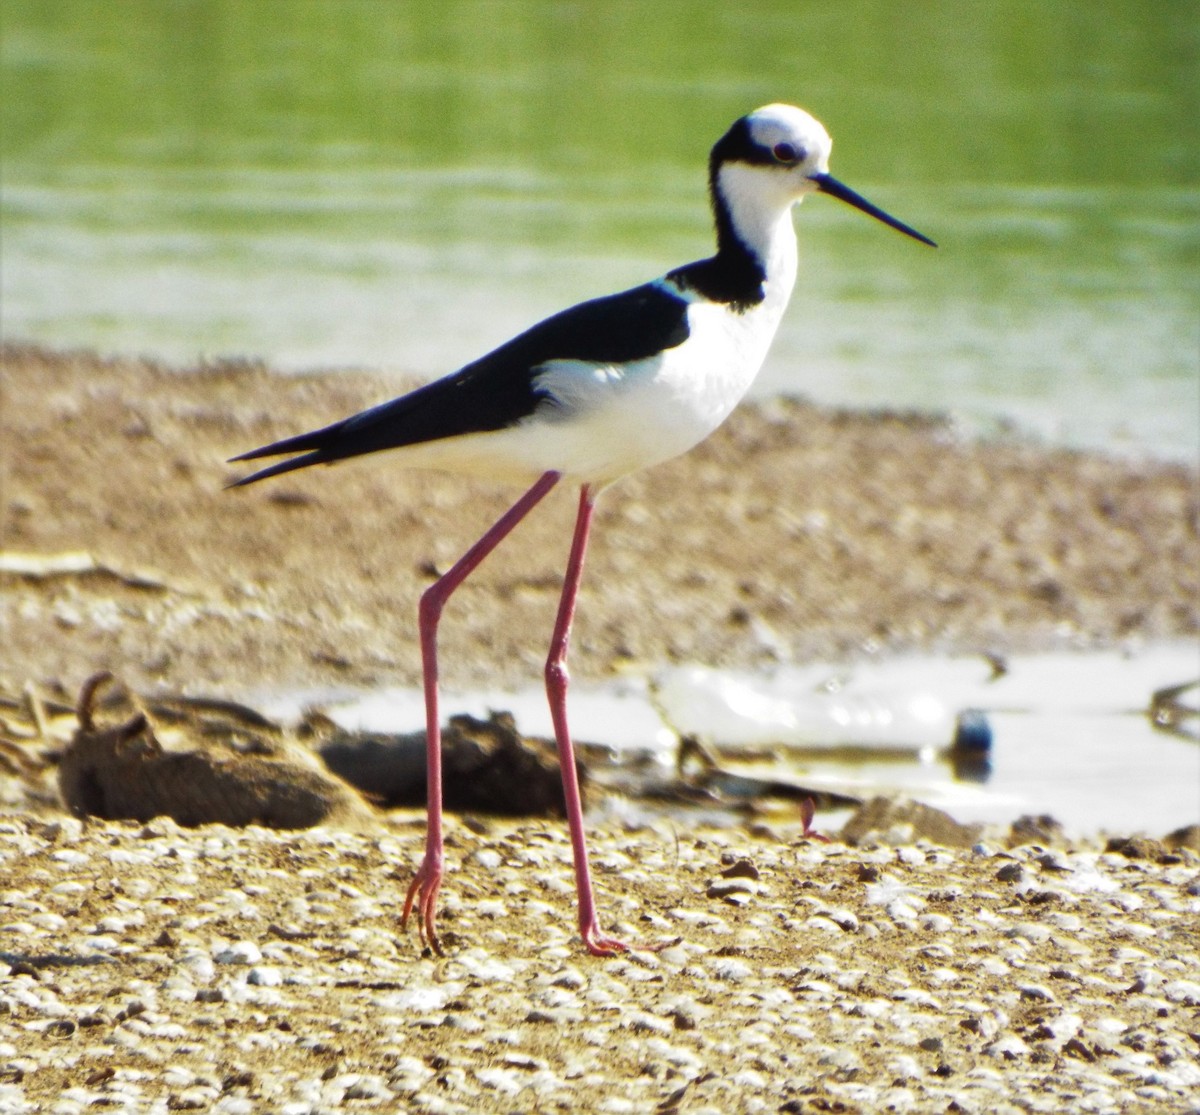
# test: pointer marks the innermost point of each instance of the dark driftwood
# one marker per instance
(489, 767)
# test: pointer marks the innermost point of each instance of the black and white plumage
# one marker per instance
(648, 372)
(598, 391)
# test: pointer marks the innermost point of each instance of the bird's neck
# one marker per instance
(754, 227)
(756, 246)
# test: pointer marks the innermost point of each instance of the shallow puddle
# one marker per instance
(1072, 735)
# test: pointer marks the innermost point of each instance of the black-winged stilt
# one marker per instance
(594, 393)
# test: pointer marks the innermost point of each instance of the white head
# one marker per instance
(771, 158)
(783, 144)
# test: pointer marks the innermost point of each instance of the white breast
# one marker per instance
(603, 422)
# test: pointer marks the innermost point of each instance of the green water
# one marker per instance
(403, 184)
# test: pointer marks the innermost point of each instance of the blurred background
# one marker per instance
(402, 185)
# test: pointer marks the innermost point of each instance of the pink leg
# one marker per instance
(429, 875)
(557, 679)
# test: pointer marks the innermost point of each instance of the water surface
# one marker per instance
(402, 186)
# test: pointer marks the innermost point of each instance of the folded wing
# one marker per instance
(499, 389)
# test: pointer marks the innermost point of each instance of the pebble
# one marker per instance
(844, 919)
(362, 1086)
(1007, 1047)
(1183, 991)
(240, 952)
(198, 965)
(737, 886)
(1034, 932)
(732, 970)
(642, 1022)
(825, 924)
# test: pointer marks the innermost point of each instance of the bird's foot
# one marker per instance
(808, 812)
(599, 945)
(422, 892)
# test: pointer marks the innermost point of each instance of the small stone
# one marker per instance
(731, 969)
(936, 923)
(193, 1099)
(641, 1022)
(741, 869)
(1008, 1047)
(684, 1017)
(550, 1017)
(844, 919)
(199, 965)
(1028, 829)
(1077, 1048)
(1183, 991)
(1186, 837)
(749, 1080)
(570, 978)
(739, 887)
(364, 1087)
(1030, 931)
(827, 925)
(524, 1061)
(240, 952)
(1137, 847)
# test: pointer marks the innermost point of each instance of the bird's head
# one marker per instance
(774, 156)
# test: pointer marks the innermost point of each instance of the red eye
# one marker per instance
(786, 153)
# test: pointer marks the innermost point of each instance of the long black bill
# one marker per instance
(827, 184)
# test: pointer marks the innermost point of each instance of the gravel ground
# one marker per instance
(153, 968)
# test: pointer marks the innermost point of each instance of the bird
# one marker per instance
(591, 394)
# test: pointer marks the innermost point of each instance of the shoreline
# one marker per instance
(792, 535)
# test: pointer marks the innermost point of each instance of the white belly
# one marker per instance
(607, 422)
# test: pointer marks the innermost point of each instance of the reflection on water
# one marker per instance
(405, 185)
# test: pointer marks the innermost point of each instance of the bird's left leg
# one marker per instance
(557, 679)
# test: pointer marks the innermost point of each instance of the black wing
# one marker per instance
(498, 389)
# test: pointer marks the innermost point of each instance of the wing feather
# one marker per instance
(499, 389)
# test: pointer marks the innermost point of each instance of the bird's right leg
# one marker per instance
(424, 888)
